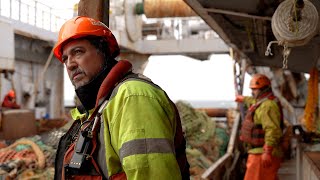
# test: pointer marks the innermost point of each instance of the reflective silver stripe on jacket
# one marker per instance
(146, 146)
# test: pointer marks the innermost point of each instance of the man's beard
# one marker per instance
(255, 95)
(79, 84)
(87, 93)
(84, 81)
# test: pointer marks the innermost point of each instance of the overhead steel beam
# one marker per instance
(221, 11)
(194, 46)
(190, 45)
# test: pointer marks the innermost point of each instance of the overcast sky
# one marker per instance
(185, 78)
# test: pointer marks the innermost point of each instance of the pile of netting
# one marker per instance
(30, 158)
(206, 142)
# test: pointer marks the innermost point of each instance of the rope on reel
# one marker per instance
(293, 24)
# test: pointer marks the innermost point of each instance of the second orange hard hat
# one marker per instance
(259, 81)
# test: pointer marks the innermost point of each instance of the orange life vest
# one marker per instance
(252, 133)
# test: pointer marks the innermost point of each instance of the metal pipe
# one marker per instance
(214, 112)
(221, 11)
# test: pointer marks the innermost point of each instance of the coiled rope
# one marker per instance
(40, 156)
(290, 32)
(295, 33)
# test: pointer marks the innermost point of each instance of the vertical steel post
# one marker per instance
(106, 8)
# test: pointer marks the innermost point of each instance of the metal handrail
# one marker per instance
(33, 13)
(213, 169)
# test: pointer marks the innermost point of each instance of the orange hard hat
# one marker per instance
(12, 94)
(259, 81)
(81, 26)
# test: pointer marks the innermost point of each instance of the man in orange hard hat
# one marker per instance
(9, 101)
(261, 130)
(126, 127)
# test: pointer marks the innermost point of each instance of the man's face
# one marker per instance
(83, 61)
(255, 92)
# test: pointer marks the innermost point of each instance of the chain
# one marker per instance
(285, 54)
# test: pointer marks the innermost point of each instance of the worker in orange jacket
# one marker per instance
(9, 101)
(261, 130)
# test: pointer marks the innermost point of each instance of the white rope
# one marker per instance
(285, 53)
(290, 33)
(295, 33)
(268, 51)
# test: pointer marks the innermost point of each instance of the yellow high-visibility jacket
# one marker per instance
(138, 131)
(268, 115)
